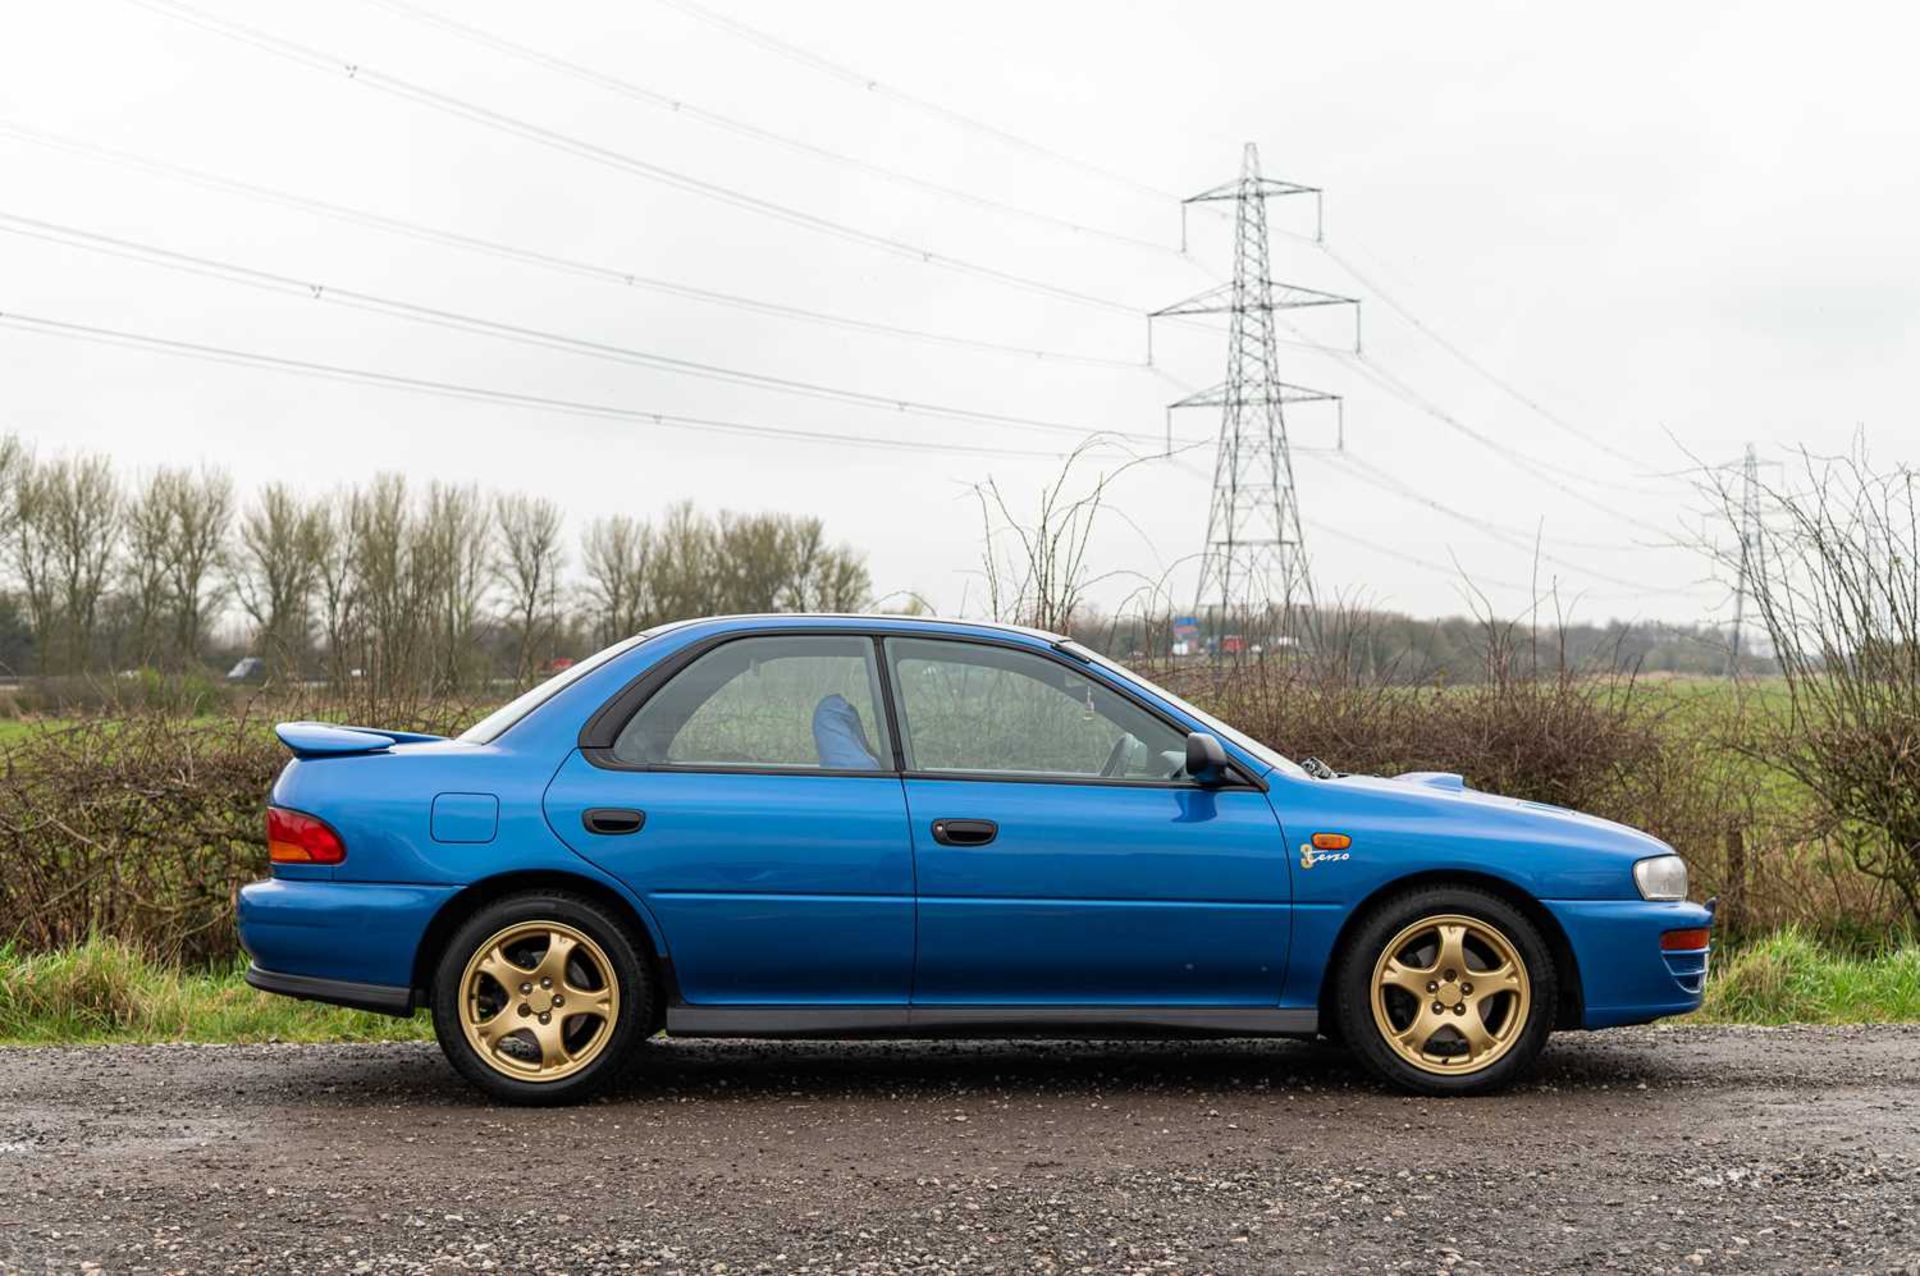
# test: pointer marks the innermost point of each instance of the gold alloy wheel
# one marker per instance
(538, 1001)
(1451, 994)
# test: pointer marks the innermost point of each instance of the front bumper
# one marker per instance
(350, 943)
(1625, 976)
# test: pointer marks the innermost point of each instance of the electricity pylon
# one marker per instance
(1255, 554)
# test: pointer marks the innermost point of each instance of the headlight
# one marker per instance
(1662, 877)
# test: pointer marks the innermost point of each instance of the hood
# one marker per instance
(1446, 794)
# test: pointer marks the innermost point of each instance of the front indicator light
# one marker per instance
(1686, 940)
(294, 837)
(1661, 877)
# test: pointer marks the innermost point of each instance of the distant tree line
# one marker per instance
(1392, 646)
(391, 587)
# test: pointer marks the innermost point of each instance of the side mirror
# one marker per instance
(1206, 759)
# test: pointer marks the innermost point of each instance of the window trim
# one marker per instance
(603, 727)
(601, 731)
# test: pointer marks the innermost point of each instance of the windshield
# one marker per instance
(490, 728)
(1233, 735)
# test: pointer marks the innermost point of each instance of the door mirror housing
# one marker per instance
(1206, 758)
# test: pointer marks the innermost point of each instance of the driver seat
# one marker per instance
(839, 738)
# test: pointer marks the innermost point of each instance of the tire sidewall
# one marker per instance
(1353, 1007)
(623, 952)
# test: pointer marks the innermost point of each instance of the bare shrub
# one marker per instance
(1836, 583)
(141, 828)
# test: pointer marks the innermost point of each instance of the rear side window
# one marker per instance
(802, 703)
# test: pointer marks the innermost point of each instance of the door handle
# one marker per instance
(612, 820)
(965, 832)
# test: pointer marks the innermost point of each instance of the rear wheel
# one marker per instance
(1446, 990)
(541, 998)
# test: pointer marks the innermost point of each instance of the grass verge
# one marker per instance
(108, 991)
(1789, 978)
(105, 990)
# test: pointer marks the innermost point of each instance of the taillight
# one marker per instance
(1686, 940)
(294, 837)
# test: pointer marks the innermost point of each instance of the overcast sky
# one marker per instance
(1672, 228)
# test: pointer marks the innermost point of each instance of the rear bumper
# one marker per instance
(339, 992)
(1625, 976)
(312, 938)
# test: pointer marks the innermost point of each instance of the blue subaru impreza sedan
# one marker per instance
(836, 826)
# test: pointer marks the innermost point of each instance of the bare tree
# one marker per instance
(274, 576)
(453, 555)
(31, 549)
(202, 516)
(387, 586)
(753, 561)
(145, 577)
(531, 556)
(616, 556)
(681, 574)
(70, 518)
(336, 591)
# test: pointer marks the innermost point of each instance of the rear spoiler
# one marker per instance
(325, 739)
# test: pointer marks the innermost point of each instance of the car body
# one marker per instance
(799, 825)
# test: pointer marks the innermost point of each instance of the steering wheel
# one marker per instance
(1117, 758)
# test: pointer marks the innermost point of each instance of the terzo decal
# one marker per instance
(1310, 856)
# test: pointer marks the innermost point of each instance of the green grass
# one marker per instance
(107, 991)
(1789, 978)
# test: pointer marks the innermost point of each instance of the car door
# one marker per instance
(1062, 855)
(753, 803)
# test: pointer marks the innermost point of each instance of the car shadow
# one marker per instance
(931, 1068)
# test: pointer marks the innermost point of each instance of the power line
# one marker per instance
(1380, 479)
(315, 291)
(1544, 471)
(1427, 330)
(619, 160)
(543, 259)
(470, 393)
(860, 80)
(1328, 532)
(678, 106)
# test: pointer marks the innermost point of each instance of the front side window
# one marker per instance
(973, 708)
(803, 703)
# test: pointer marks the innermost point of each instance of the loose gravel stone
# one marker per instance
(1676, 1150)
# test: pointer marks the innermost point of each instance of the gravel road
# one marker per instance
(1643, 1150)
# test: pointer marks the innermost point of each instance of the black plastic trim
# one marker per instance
(998, 1021)
(380, 998)
(598, 735)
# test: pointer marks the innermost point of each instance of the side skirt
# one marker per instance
(988, 1021)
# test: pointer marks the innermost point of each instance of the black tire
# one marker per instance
(628, 972)
(1353, 1006)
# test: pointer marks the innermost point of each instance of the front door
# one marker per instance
(752, 802)
(1063, 856)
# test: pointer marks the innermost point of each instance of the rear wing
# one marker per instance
(326, 739)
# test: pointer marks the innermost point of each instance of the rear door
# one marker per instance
(753, 803)
(1063, 856)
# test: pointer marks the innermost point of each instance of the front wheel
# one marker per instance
(541, 998)
(1446, 990)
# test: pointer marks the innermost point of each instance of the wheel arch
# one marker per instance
(1571, 999)
(472, 898)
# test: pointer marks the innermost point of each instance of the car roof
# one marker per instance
(811, 619)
